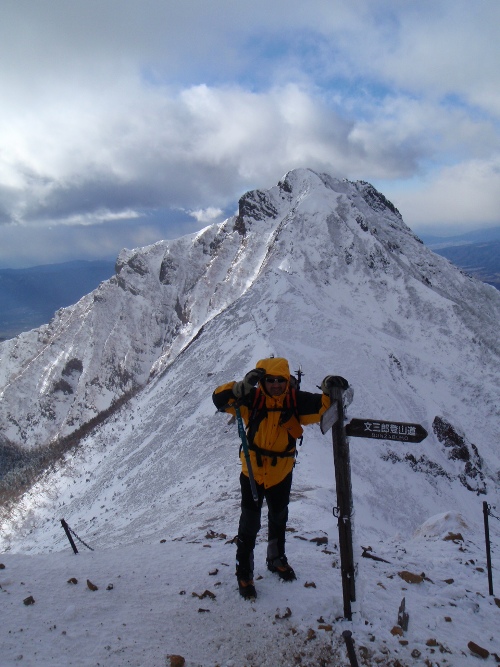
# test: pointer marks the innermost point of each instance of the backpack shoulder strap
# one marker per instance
(257, 414)
(259, 402)
(292, 410)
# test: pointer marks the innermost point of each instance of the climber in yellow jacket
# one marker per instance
(274, 412)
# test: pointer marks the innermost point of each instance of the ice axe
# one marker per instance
(235, 405)
(246, 452)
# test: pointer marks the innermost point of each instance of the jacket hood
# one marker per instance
(275, 366)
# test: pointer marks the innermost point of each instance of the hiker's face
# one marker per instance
(275, 386)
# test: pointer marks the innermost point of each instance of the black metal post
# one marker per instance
(486, 511)
(403, 616)
(68, 535)
(347, 635)
(344, 502)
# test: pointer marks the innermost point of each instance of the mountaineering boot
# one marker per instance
(245, 584)
(281, 567)
(244, 567)
(247, 589)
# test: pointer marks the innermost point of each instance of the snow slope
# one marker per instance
(325, 273)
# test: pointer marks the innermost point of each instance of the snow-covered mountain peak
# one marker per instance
(325, 273)
(333, 244)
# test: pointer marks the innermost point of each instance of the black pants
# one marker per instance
(277, 499)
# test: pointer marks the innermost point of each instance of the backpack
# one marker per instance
(289, 413)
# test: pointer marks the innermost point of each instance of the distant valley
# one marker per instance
(477, 253)
(481, 260)
(30, 297)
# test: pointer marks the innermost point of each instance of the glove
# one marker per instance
(332, 381)
(245, 386)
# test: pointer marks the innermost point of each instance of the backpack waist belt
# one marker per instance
(260, 452)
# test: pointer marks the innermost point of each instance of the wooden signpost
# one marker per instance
(333, 419)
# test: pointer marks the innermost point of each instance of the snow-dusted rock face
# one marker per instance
(56, 378)
(327, 246)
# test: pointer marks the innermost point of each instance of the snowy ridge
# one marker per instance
(134, 324)
(325, 273)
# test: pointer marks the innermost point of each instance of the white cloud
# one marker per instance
(153, 148)
(206, 215)
(143, 148)
(454, 197)
(124, 107)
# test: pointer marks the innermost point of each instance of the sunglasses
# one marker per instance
(271, 380)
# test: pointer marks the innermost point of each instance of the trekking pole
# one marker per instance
(246, 452)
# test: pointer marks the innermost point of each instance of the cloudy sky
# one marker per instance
(123, 122)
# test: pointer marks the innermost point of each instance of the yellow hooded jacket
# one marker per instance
(278, 430)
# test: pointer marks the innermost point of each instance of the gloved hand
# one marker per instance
(332, 381)
(244, 387)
